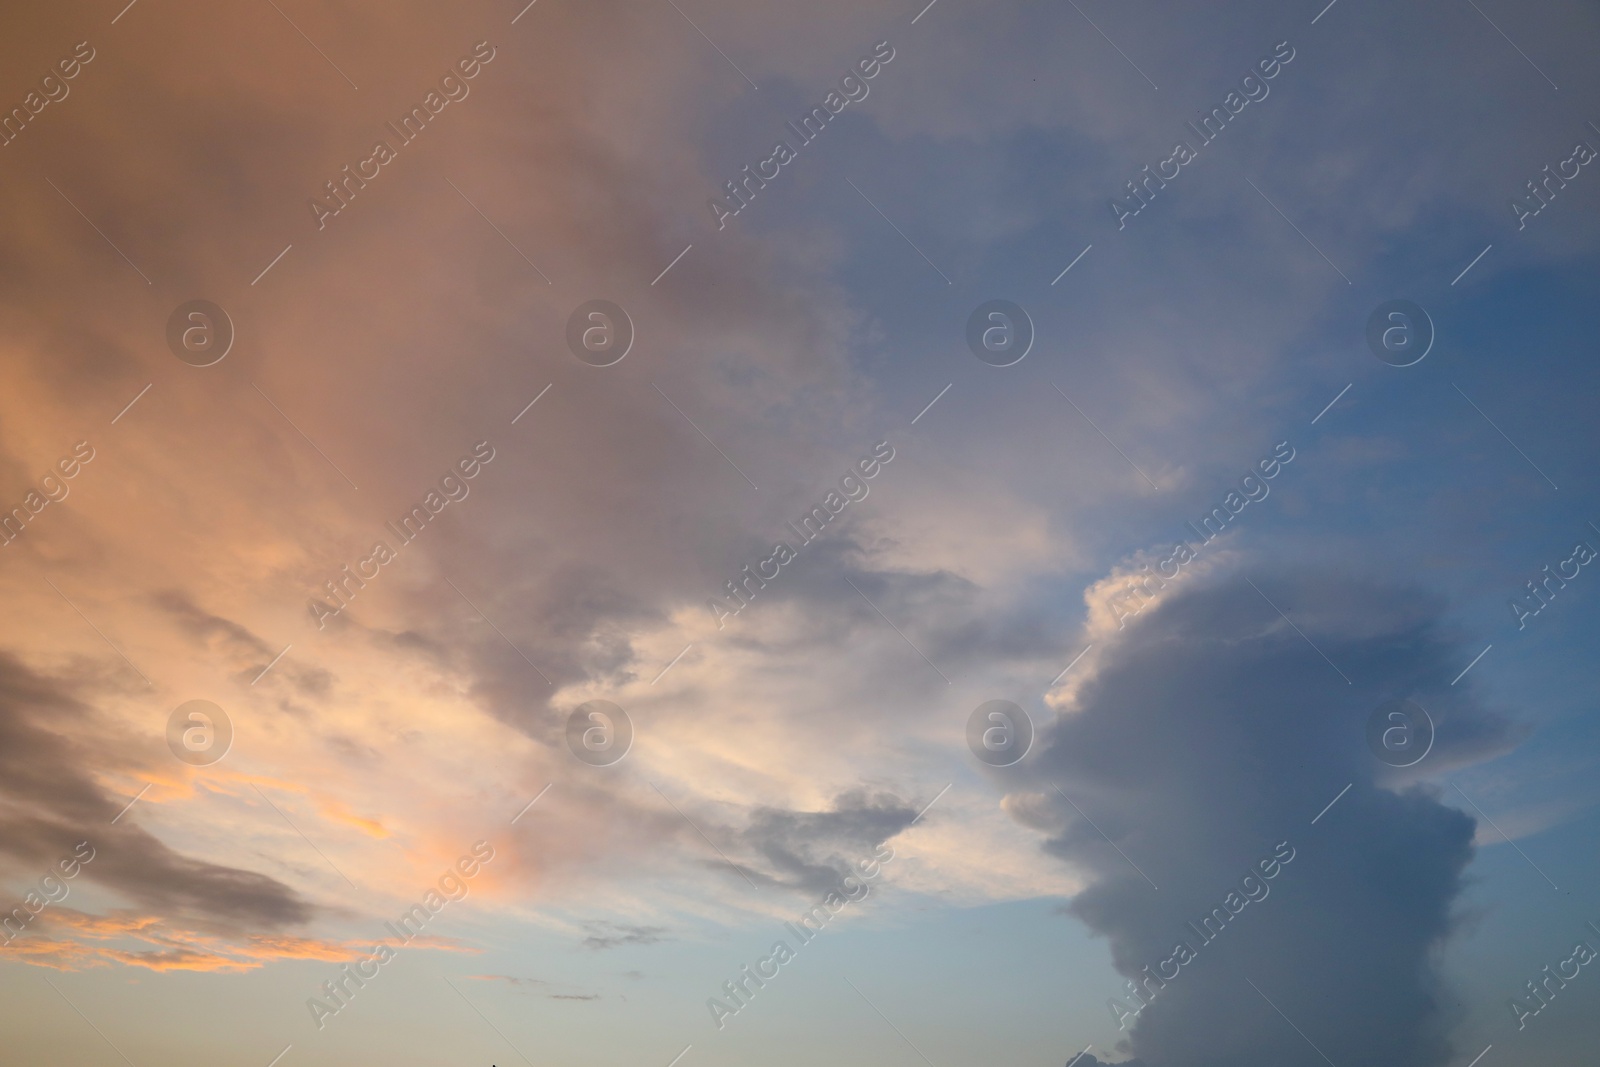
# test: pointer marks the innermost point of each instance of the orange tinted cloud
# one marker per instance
(159, 944)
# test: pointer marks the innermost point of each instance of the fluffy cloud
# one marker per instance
(1209, 732)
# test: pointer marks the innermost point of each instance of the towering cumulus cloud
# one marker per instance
(1211, 731)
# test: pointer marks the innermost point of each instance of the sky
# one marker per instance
(688, 533)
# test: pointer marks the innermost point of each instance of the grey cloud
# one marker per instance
(959, 628)
(202, 625)
(48, 740)
(812, 851)
(239, 644)
(610, 935)
(1210, 733)
(951, 618)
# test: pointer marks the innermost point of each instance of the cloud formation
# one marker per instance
(433, 309)
(50, 737)
(1211, 732)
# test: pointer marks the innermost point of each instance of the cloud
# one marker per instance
(408, 329)
(812, 851)
(518, 983)
(218, 633)
(159, 943)
(1209, 732)
(610, 935)
(48, 740)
